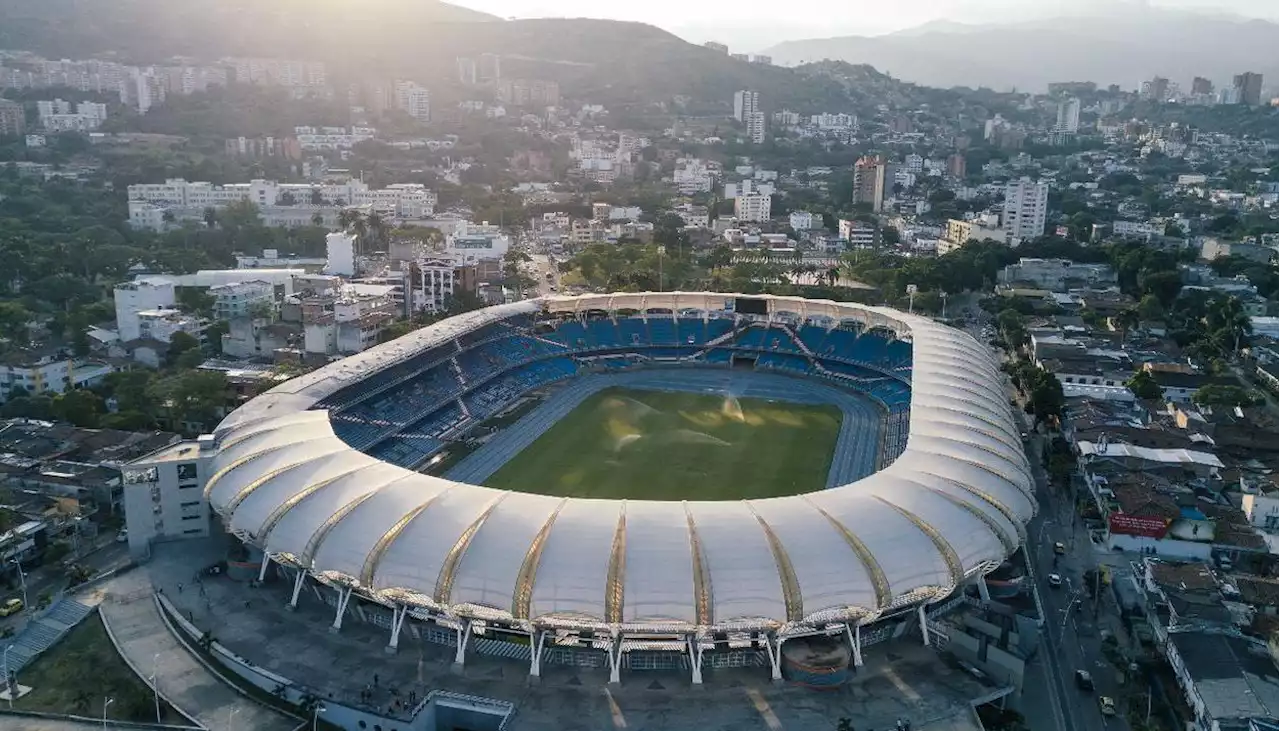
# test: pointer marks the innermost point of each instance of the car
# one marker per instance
(1084, 680)
(122, 536)
(1055, 580)
(11, 607)
(1059, 548)
(1107, 705)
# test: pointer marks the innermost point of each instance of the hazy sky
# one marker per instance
(750, 26)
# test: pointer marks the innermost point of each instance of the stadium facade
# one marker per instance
(319, 474)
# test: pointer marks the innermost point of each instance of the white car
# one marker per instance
(1055, 580)
(123, 536)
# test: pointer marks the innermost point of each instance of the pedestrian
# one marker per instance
(375, 680)
(179, 587)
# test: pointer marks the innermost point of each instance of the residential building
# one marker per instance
(753, 207)
(1262, 509)
(805, 220)
(58, 115)
(913, 163)
(1068, 116)
(468, 71)
(1201, 85)
(761, 58)
(1247, 88)
(872, 181)
(1026, 205)
(1157, 89)
(755, 127)
(163, 494)
(344, 322)
(143, 89)
(435, 279)
(859, 234)
(162, 324)
(1228, 681)
(142, 295)
(961, 232)
(340, 253)
(13, 118)
(49, 370)
(413, 100)
(692, 175)
(527, 92)
(278, 72)
(280, 204)
(745, 102)
(717, 47)
(956, 166)
(241, 299)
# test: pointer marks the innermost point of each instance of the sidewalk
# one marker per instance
(130, 614)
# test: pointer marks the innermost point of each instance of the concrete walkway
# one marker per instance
(130, 614)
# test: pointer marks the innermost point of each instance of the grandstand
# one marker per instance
(319, 475)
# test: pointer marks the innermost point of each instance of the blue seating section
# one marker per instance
(403, 413)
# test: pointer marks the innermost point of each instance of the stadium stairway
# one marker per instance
(41, 634)
(457, 370)
(462, 403)
(795, 338)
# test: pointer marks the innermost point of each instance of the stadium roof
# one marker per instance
(952, 506)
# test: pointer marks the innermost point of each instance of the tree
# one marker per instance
(1012, 327)
(180, 344)
(13, 322)
(80, 407)
(1126, 320)
(193, 397)
(1144, 386)
(1149, 308)
(1225, 395)
(1047, 397)
(1164, 285)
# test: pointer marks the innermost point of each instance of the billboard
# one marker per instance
(1137, 525)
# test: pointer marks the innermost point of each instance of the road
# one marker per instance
(107, 555)
(1072, 638)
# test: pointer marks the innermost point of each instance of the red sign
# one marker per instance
(1136, 525)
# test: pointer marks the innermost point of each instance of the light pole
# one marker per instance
(7, 685)
(155, 682)
(315, 715)
(106, 702)
(22, 578)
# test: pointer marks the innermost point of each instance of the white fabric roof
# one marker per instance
(954, 503)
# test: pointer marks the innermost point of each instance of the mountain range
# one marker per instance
(602, 60)
(1125, 46)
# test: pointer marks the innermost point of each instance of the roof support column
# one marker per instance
(855, 641)
(924, 624)
(344, 596)
(983, 590)
(773, 646)
(695, 658)
(464, 637)
(298, 581)
(537, 640)
(262, 572)
(398, 613)
(615, 661)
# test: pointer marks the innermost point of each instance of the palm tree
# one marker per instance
(1126, 320)
(347, 218)
(210, 216)
(317, 219)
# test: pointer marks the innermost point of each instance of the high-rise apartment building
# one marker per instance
(1247, 88)
(1026, 203)
(755, 127)
(1201, 85)
(13, 118)
(745, 102)
(872, 181)
(1157, 89)
(956, 167)
(1068, 115)
(413, 100)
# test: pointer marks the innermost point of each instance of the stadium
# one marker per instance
(826, 471)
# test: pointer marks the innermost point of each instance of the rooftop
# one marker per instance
(1235, 677)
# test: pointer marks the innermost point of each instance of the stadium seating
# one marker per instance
(402, 413)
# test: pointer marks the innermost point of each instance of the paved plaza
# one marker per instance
(902, 679)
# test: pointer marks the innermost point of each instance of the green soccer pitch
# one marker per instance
(657, 445)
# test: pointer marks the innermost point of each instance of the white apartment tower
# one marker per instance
(1026, 202)
(755, 127)
(744, 103)
(1068, 115)
(753, 207)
